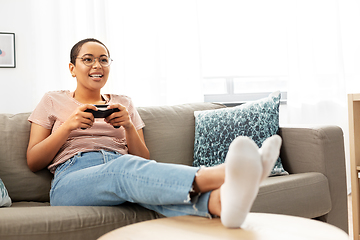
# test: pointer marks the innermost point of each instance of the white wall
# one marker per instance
(17, 84)
(15, 81)
(155, 61)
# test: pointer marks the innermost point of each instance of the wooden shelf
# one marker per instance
(355, 96)
(354, 137)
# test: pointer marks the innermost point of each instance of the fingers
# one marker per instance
(118, 106)
(120, 118)
(86, 123)
(87, 106)
(84, 119)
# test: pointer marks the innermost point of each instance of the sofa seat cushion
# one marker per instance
(30, 204)
(43, 222)
(303, 194)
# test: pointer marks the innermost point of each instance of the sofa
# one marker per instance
(314, 188)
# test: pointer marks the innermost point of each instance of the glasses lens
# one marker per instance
(88, 60)
(105, 61)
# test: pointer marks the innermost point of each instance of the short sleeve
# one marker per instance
(128, 103)
(42, 114)
(135, 116)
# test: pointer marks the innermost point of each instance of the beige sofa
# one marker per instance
(315, 188)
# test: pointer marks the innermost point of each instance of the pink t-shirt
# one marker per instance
(56, 107)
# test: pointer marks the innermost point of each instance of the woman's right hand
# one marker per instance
(80, 119)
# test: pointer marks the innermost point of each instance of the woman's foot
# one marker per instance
(246, 166)
(243, 171)
(269, 151)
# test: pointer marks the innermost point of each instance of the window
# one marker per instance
(244, 48)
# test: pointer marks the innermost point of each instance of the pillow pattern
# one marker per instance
(216, 129)
(5, 200)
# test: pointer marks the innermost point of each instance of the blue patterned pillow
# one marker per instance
(5, 200)
(216, 129)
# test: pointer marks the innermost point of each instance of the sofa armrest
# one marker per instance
(319, 149)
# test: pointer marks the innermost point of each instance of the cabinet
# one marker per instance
(354, 135)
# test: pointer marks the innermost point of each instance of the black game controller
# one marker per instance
(102, 112)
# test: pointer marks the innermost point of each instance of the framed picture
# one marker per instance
(7, 50)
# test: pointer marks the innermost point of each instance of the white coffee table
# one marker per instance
(257, 226)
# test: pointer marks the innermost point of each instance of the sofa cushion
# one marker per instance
(302, 194)
(44, 222)
(21, 183)
(169, 131)
(216, 129)
(5, 200)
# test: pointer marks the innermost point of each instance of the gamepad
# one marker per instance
(102, 111)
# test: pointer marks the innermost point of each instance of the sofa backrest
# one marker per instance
(21, 183)
(170, 130)
(169, 135)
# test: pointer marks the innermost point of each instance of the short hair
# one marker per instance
(76, 48)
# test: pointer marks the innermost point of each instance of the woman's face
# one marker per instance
(90, 77)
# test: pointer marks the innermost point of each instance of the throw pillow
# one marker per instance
(5, 200)
(216, 129)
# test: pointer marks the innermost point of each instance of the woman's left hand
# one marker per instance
(134, 138)
(120, 118)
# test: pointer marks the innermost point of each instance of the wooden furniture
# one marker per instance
(354, 135)
(257, 226)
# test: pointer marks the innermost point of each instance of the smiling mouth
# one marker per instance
(96, 76)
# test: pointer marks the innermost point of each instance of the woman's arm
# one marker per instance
(134, 138)
(44, 145)
(136, 143)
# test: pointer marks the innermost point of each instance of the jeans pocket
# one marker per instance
(64, 166)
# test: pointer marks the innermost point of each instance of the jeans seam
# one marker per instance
(195, 212)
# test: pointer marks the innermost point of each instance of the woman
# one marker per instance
(97, 163)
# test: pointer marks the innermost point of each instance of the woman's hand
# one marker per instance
(80, 119)
(120, 118)
(134, 138)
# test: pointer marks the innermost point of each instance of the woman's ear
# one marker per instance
(72, 69)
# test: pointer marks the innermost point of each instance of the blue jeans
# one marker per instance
(107, 178)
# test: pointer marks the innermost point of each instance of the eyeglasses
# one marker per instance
(90, 60)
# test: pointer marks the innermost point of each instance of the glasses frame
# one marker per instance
(82, 58)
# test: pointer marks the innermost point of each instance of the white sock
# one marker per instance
(243, 170)
(269, 151)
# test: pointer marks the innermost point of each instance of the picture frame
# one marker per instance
(7, 50)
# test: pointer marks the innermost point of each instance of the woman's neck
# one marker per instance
(92, 98)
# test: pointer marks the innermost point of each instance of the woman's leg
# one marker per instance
(165, 187)
(246, 166)
(121, 178)
(198, 206)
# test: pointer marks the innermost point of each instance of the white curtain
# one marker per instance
(154, 44)
(317, 83)
(324, 66)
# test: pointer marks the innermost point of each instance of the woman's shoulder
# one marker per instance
(58, 93)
